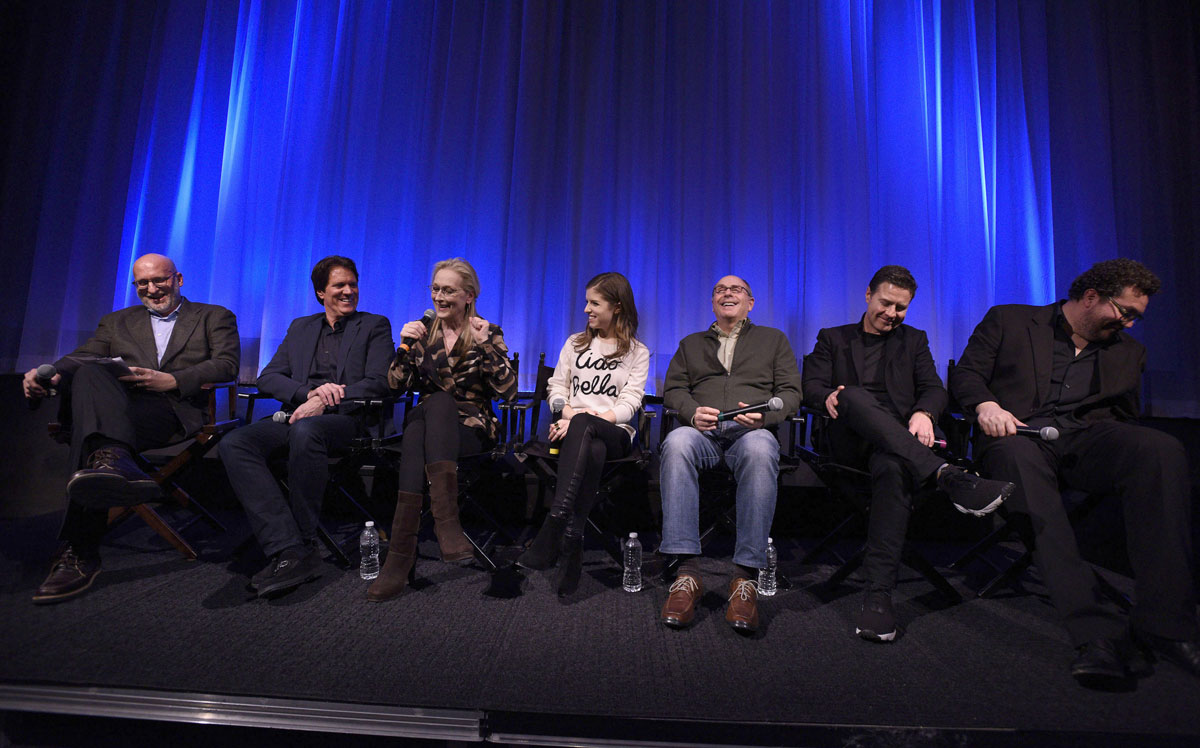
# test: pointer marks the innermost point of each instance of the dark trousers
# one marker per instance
(1147, 469)
(99, 409)
(280, 521)
(433, 433)
(865, 432)
(590, 442)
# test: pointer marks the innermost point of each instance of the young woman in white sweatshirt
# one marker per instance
(601, 374)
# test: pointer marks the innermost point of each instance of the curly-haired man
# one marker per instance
(1071, 365)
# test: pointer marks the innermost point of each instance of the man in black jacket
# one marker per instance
(876, 379)
(732, 364)
(171, 346)
(1071, 365)
(325, 358)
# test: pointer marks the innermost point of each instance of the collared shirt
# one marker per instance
(1073, 378)
(727, 341)
(163, 325)
(327, 359)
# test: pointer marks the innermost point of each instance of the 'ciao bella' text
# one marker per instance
(599, 384)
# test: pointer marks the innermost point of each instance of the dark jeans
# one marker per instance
(590, 442)
(867, 433)
(1148, 470)
(433, 433)
(99, 409)
(280, 521)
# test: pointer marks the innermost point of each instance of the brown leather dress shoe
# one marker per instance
(680, 608)
(71, 576)
(742, 612)
(111, 479)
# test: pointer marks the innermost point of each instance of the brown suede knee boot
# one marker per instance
(402, 549)
(443, 502)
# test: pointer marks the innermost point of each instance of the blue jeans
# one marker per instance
(752, 455)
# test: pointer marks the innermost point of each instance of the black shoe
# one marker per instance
(972, 494)
(290, 569)
(111, 479)
(1100, 666)
(571, 567)
(877, 621)
(544, 550)
(70, 577)
(1185, 654)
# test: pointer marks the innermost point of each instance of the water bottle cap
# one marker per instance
(633, 535)
(770, 540)
(370, 523)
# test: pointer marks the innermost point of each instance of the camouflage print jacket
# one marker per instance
(474, 380)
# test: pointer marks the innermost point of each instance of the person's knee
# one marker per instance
(854, 396)
(681, 444)
(306, 434)
(760, 450)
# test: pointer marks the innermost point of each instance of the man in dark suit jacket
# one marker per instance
(876, 380)
(1071, 365)
(324, 359)
(171, 347)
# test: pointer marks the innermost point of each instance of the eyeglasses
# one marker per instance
(166, 280)
(738, 290)
(1127, 315)
(448, 292)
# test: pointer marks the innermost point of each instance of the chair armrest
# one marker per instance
(212, 388)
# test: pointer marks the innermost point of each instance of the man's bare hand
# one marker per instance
(330, 394)
(920, 426)
(32, 389)
(996, 421)
(311, 407)
(749, 420)
(705, 418)
(831, 401)
(150, 379)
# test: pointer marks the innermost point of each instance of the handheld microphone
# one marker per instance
(773, 404)
(1046, 433)
(557, 403)
(281, 416)
(406, 343)
(42, 377)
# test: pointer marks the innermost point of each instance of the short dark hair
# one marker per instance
(1110, 277)
(325, 266)
(897, 275)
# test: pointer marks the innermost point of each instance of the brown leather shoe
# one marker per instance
(742, 612)
(71, 576)
(443, 504)
(111, 479)
(680, 608)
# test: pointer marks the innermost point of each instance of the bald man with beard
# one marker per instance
(172, 347)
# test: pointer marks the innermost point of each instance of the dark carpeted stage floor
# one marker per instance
(162, 644)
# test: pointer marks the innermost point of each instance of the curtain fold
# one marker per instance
(995, 148)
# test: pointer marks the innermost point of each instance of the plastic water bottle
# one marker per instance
(767, 581)
(368, 545)
(633, 564)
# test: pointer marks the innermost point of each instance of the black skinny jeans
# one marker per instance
(590, 442)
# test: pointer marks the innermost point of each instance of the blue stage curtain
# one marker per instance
(995, 148)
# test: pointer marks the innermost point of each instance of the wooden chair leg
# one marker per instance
(156, 522)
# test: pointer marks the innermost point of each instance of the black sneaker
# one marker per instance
(291, 568)
(877, 621)
(972, 494)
